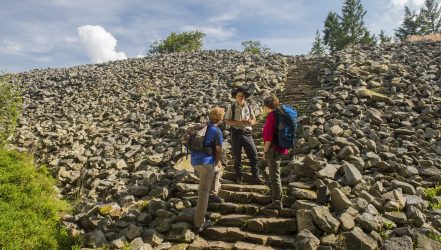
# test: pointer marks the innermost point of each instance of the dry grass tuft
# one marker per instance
(433, 37)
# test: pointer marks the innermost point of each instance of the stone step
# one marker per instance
(201, 244)
(302, 80)
(233, 234)
(227, 208)
(252, 197)
(246, 162)
(245, 197)
(262, 189)
(227, 185)
(283, 226)
(234, 220)
(247, 177)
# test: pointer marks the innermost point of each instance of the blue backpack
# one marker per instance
(286, 121)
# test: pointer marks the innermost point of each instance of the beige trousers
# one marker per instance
(209, 183)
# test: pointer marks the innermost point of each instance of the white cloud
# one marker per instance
(12, 46)
(218, 33)
(402, 3)
(227, 16)
(100, 45)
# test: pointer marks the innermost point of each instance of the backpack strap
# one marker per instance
(212, 146)
(276, 121)
(233, 111)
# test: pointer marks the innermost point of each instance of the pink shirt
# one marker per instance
(269, 130)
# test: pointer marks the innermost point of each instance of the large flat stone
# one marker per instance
(325, 220)
(357, 239)
(352, 174)
(339, 200)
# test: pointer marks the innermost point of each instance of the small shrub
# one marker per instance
(431, 193)
(30, 209)
(389, 225)
(434, 236)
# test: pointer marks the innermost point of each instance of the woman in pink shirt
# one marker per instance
(272, 153)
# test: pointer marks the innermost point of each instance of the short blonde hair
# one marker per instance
(217, 114)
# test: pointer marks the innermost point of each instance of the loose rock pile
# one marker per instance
(371, 145)
(109, 133)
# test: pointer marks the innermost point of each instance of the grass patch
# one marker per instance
(30, 209)
(389, 225)
(10, 104)
(431, 194)
(434, 236)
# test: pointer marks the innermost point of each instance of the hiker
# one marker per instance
(240, 117)
(209, 169)
(272, 153)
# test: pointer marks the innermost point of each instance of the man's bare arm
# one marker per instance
(218, 155)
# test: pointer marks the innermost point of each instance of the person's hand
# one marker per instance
(218, 167)
(264, 156)
(246, 122)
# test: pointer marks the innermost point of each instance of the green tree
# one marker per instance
(332, 32)
(352, 24)
(347, 29)
(318, 49)
(184, 42)
(430, 18)
(255, 47)
(384, 38)
(409, 27)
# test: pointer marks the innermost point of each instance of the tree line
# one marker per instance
(339, 31)
(190, 41)
(349, 28)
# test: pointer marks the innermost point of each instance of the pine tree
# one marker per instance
(341, 31)
(410, 24)
(430, 18)
(353, 14)
(384, 38)
(368, 39)
(332, 32)
(317, 48)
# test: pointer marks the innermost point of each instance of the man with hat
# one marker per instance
(240, 117)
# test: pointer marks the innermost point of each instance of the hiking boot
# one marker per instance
(239, 179)
(257, 181)
(215, 199)
(198, 230)
(277, 205)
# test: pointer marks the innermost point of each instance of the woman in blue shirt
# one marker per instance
(208, 168)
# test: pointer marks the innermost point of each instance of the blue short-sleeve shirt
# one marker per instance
(213, 138)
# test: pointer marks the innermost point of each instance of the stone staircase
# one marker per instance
(241, 222)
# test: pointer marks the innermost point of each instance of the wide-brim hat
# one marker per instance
(245, 91)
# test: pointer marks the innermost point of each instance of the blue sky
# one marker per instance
(47, 33)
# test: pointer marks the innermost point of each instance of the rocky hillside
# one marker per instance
(369, 150)
(109, 132)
